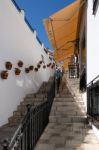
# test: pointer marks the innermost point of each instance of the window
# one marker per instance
(95, 6)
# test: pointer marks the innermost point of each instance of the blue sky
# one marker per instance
(37, 10)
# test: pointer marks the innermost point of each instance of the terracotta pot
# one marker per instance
(8, 65)
(31, 68)
(27, 70)
(4, 74)
(38, 66)
(36, 69)
(44, 66)
(40, 62)
(48, 65)
(17, 71)
(20, 63)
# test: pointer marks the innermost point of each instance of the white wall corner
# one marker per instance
(22, 12)
(35, 33)
(42, 45)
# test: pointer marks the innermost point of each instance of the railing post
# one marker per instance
(5, 144)
(28, 107)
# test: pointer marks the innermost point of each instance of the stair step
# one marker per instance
(64, 96)
(69, 99)
(68, 108)
(15, 119)
(38, 95)
(68, 114)
(24, 103)
(71, 119)
(18, 113)
(35, 99)
(33, 95)
(64, 103)
(22, 109)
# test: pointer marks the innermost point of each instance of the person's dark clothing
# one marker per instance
(58, 75)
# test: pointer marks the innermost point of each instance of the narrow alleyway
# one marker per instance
(68, 128)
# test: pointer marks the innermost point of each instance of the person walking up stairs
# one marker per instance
(68, 128)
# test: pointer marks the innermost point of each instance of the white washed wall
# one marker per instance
(92, 43)
(18, 42)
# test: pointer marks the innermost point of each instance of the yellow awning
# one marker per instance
(63, 28)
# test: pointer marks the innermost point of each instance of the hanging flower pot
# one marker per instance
(48, 65)
(36, 69)
(44, 66)
(4, 74)
(20, 64)
(8, 65)
(52, 66)
(38, 66)
(27, 70)
(40, 62)
(31, 68)
(17, 71)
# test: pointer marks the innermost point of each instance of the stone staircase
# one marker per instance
(68, 128)
(34, 99)
(68, 106)
(67, 109)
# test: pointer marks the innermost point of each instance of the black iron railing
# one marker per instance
(33, 125)
(83, 84)
(95, 6)
(93, 99)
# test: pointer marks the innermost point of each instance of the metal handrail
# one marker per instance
(91, 82)
(33, 124)
(15, 135)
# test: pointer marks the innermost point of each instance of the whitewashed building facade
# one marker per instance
(18, 41)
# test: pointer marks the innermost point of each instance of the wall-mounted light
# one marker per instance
(4, 74)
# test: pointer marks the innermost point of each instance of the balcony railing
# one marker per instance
(93, 100)
(95, 6)
(32, 126)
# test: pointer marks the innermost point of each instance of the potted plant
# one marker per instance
(44, 66)
(40, 62)
(17, 71)
(27, 70)
(20, 64)
(36, 69)
(31, 68)
(8, 65)
(38, 66)
(4, 74)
